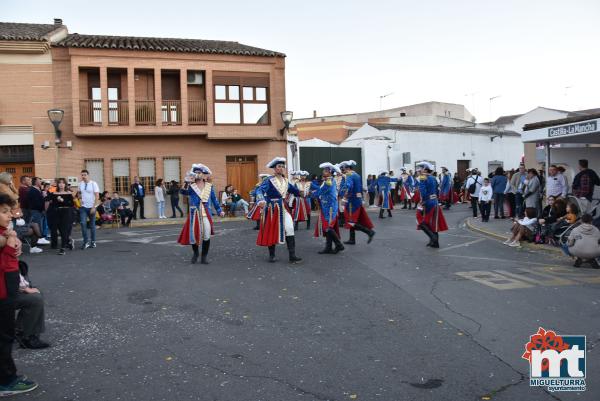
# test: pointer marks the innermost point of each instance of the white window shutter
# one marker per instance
(146, 167)
(120, 168)
(172, 170)
(96, 169)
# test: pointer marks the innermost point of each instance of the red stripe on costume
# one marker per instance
(358, 216)
(434, 219)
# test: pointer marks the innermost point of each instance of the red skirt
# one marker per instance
(390, 201)
(254, 213)
(323, 226)
(272, 225)
(434, 219)
(404, 194)
(301, 209)
(416, 196)
(191, 233)
(358, 216)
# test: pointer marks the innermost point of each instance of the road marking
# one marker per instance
(463, 245)
(537, 278)
(494, 280)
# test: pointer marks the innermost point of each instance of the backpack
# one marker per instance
(473, 186)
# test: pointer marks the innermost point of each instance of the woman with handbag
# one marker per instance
(60, 214)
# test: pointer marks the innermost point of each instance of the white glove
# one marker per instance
(20, 222)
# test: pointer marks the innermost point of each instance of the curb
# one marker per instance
(524, 244)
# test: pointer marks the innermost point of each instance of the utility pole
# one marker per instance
(492, 99)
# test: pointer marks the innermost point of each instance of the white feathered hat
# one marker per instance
(264, 175)
(425, 165)
(331, 167)
(348, 163)
(278, 160)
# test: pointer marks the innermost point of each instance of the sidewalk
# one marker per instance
(500, 229)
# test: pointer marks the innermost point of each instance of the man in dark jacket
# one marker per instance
(137, 193)
(585, 181)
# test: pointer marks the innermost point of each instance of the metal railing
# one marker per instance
(118, 112)
(171, 112)
(145, 112)
(90, 112)
(197, 111)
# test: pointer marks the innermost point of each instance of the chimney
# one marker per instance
(58, 21)
(314, 114)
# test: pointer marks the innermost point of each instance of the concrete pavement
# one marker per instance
(393, 320)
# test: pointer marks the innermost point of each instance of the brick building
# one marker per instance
(150, 107)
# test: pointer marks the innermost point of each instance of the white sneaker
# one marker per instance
(508, 241)
(43, 241)
(515, 244)
(35, 249)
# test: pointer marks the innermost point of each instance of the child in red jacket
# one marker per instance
(10, 248)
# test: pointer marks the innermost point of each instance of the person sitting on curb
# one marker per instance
(524, 228)
(584, 243)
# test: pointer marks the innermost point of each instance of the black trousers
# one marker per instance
(485, 208)
(60, 221)
(474, 201)
(175, 205)
(138, 202)
(31, 317)
(371, 198)
(126, 215)
(8, 370)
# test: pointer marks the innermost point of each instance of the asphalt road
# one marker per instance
(393, 320)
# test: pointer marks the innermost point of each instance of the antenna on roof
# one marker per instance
(381, 99)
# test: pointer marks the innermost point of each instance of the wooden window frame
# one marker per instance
(240, 83)
(97, 159)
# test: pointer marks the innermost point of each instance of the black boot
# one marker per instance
(195, 257)
(342, 219)
(328, 242)
(389, 213)
(291, 245)
(257, 227)
(308, 223)
(272, 254)
(336, 240)
(381, 214)
(296, 226)
(352, 239)
(205, 247)
(405, 206)
(410, 205)
(365, 230)
(427, 232)
(435, 243)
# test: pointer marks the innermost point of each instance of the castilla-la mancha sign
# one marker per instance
(573, 129)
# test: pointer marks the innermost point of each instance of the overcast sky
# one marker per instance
(343, 55)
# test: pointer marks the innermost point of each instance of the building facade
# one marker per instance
(150, 107)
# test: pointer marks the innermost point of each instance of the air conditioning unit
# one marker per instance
(195, 78)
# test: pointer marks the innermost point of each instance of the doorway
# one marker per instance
(242, 173)
(461, 168)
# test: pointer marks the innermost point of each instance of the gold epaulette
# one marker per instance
(422, 177)
(328, 182)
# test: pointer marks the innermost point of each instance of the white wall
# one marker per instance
(534, 116)
(443, 148)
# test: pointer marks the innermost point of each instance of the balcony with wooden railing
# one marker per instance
(145, 112)
(118, 112)
(171, 112)
(197, 112)
(90, 112)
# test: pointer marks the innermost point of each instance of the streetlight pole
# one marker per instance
(287, 117)
(56, 116)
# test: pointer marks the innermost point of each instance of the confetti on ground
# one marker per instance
(459, 333)
(169, 358)
(440, 321)
(353, 396)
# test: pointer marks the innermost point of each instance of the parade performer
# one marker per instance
(254, 212)
(385, 194)
(301, 210)
(430, 218)
(408, 189)
(446, 196)
(327, 223)
(198, 226)
(340, 182)
(356, 217)
(276, 224)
